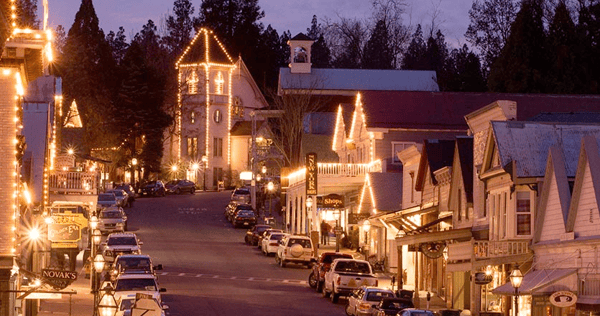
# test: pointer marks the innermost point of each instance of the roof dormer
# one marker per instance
(300, 46)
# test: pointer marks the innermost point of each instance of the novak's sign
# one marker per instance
(311, 174)
(59, 274)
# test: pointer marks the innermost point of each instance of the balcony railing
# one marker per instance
(331, 170)
(502, 248)
(67, 182)
(590, 286)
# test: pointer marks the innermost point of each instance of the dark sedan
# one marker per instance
(251, 237)
(154, 188)
(391, 306)
(244, 218)
(180, 186)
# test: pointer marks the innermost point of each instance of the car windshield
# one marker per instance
(241, 192)
(110, 214)
(261, 229)
(277, 236)
(133, 264)
(378, 296)
(244, 207)
(246, 213)
(106, 197)
(151, 184)
(121, 241)
(305, 243)
(136, 285)
(172, 182)
(352, 266)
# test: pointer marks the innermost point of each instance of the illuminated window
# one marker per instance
(218, 147)
(192, 147)
(523, 213)
(217, 116)
(193, 117)
(398, 147)
(219, 82)
(193, 83)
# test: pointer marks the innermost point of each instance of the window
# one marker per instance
(218, 147)
(398, 147)
(504, 215)
(193, 83)
(300, 55)
(192, 147)
(193, 117)
(217, 116)
(523, 213)
(219, 83)
(218, 175)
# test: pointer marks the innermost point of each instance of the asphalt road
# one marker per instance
(208, 270)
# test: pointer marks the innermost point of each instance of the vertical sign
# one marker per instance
(311, 174)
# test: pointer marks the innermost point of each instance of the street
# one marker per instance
(208, 270)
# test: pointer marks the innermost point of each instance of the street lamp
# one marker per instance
(98, 266)
(366, 228)
(195, 167)
(270, 188)
(134, 163)
(309, 203)
(108, 304)
(264, 169)
(204, 166)
(516, 278)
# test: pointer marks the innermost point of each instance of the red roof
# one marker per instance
(447, 110)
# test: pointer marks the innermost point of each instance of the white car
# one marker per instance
(270, 242)
(364, 299)
(120, 196)
(295, 249)
(112, 219)
(120, 244)
(128, 285)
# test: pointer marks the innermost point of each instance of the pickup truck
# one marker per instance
(345, 276)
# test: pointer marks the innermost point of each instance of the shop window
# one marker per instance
(219, 83)
(193, 83)
(523, 215)
(192, 147)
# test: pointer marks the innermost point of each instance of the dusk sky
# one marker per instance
(283, 15)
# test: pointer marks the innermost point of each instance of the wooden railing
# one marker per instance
(66, 182)
(331, 170)
(502, 248)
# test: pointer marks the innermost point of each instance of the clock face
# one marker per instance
(217, 116)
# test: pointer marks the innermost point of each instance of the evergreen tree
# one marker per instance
(88, 71)
(564, 73)
(179, 27)
(118, 44)
(522, 65)
(465, 71)
(27, 14)
(320, 53)
(588, 47)
(415, 57)
(378, 54)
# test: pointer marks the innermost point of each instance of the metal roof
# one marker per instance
(528, 143)
(387, 191)
(359, 79)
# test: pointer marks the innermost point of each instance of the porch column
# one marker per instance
(417, 300)
(293, 215)
(399, 273)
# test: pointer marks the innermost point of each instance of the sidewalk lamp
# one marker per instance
(108, 304)
(309, 203)
(195, 167)
(97, 267)
(134, 163)
(271, 188)
(204, 166)
(516, 278)
(264, 169)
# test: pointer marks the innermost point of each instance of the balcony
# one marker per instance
(482, 250)
(337, 170)
(73, 182)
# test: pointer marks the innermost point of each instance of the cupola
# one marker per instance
(300, 46)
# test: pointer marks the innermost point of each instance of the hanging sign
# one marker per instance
(330, 201)
(481, 278)
(311, 174)
(59, 279)
(433, 250)
(563, 299)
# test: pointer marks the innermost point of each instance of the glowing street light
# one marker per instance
(71, 151)
(516, 278)
(34, 234)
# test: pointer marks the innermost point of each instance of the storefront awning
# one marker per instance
(535, 281)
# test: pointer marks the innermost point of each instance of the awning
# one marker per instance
(534, 281)
(586, 303)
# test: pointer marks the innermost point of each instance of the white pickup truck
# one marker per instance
(345, 276)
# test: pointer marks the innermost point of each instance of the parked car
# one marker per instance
(391, 306)
(264, 234)
(128, 285)
(238, 208)
(106, 200)
(241, 195)
(120, 195)
(112, 219)
(230, 208)
(244, 218)
(415, 312)
(119, 244)
(321, 266)
(130, 193)
(294, 249)
(128, 303)
(154, 188)
(251, 237)
(345, 276)
(133, 264)
(363, 300)
(270, 243)
(180, 186)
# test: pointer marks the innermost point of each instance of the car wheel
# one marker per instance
(324, 291)
(334, 296)
(193, 190)
(276, 259)
(282, 263)
(348, 309)
(312, 281)
(319, 287)
(178, 191)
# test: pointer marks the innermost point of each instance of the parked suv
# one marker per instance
(133, 264)
(154, 188)
(323, 264)
(119, 244)
(112, 219)
(241, 195)
(294, 249)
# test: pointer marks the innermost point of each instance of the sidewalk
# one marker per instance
(80, 304)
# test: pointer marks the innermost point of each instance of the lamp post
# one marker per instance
(133, 167)
(98, 267)
(195, 167)
(366, 228)
(204, 166)
(516, 278)
(107, 305)
(92, 230)
(309, 203)
(270, 188)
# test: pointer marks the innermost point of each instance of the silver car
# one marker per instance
(112, 219)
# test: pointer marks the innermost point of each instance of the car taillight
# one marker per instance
(364, 306)
(339, 280)
(273, 244)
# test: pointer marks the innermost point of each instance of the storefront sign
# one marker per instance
(311, 174)
(563, 299)
(355, 218)
(59, 279)
(481, 278)
(433, 250)
(330, 201)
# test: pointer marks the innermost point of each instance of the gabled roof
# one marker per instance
(301, 37)
(205, 48)
(242, 128)
(527, 144)
(386, 190)
(464, 147)
(573, 117)
(447, 110)
(555, 171)
(354, 80)
(589, 155)
(436, 155)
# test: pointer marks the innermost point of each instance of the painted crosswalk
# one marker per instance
(230, 277)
